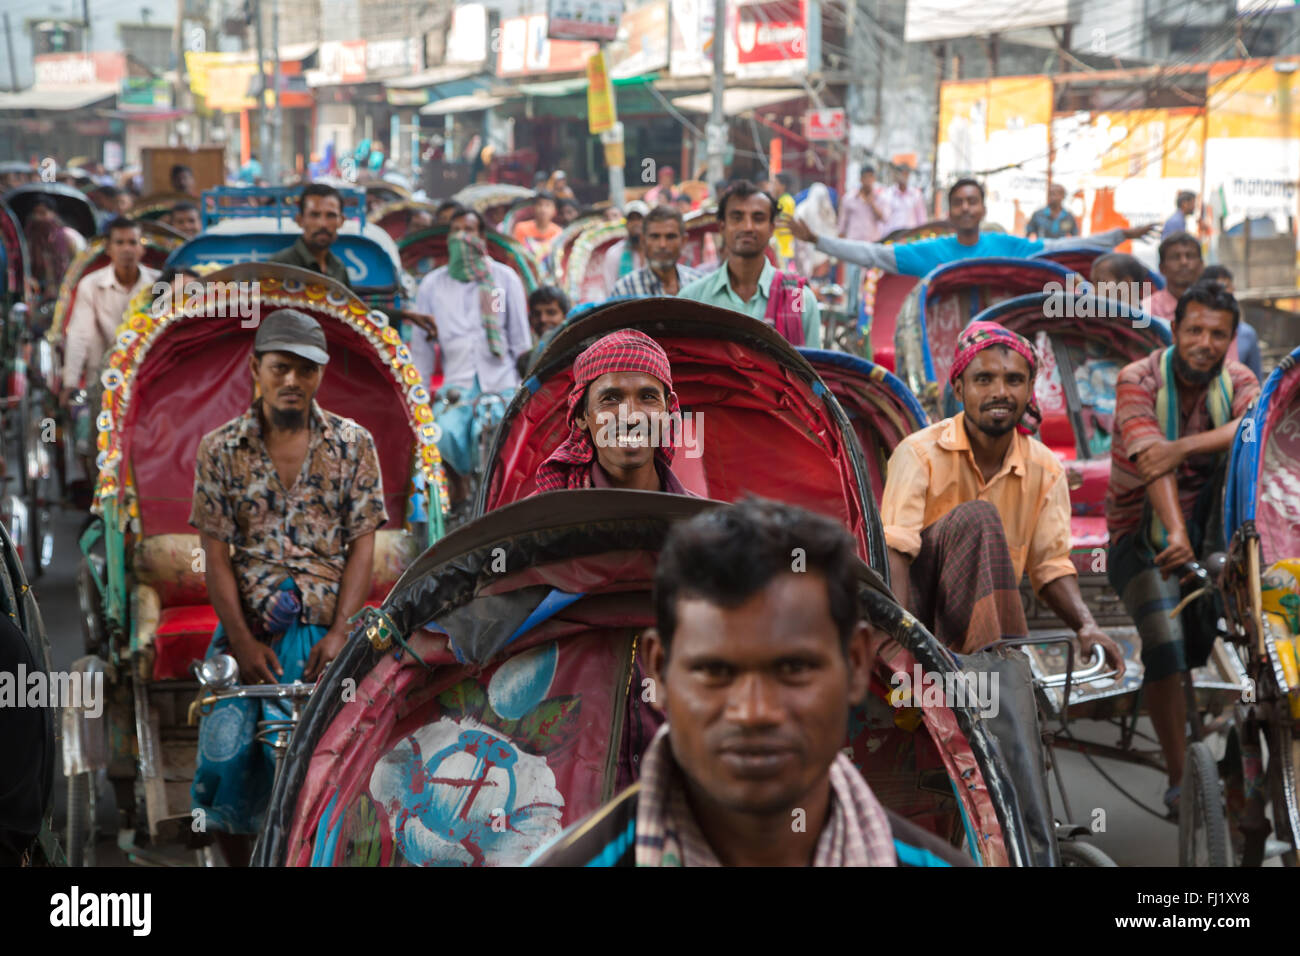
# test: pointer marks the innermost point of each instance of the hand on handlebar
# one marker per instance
(1178, 553)
(1091, 636)
(257, 662)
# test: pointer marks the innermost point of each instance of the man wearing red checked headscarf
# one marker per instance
(973, 502)
(624, 420)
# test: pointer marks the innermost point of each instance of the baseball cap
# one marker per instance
(636, 208)
(288, 330)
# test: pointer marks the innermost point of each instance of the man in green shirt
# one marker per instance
(320, 216)
(744, 282)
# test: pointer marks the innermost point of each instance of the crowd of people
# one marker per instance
(971, 503)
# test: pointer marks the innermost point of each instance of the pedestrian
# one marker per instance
(538, 233)
(756, 669)
(782, 187)
(862, 212)
(966, 212)
(663, 237)
(665, 191)
(287, 498)
(1185, 204)
(1053, 221)
(905, 204)
(1181, 265)
(1245, 347)
(626, 255)
(746, 281)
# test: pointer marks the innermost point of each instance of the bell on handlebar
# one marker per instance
(218, 672)
(1215, 564)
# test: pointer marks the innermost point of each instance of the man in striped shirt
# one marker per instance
(756, 667)
(662, 238)
(1176, 412)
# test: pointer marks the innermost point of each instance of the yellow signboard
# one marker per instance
(601, 111)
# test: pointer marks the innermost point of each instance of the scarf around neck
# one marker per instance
(856, 833)
(467, 261)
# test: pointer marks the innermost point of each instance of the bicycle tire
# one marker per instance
(1079, 853)
(1201, 810)
(79, 822)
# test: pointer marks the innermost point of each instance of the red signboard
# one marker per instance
(826, 125)
(771, 36)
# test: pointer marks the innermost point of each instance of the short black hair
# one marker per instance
(185, 206)
(112, 192)
(178, 169)
(866, 168)
(460, 212)
(45, 202)
(319, 189)
(1184, 195)
(1178, 239)
(118, 223)
(743, 189)
(1127, 267)
(786, 180)
(543, 295)
(728, 554)
(1211, 295)
(445, 205)
(961, 184)
(664, 212)
(542, 194)
(1215, 274)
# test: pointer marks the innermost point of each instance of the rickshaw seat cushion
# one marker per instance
(1090, 497)
(182, 637)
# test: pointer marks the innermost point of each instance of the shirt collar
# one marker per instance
(250, 425)
(107, 278)
(723, 278)
(954, 438)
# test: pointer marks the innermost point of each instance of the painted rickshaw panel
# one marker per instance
(17, 264)
(175, 376)
(770, 425)
(883, 294)
(584, 270)
(153, 207)
(73, 206)
(555, 264)
(1081, 257)
(392, 217)
(492, 200)
(524, 711)
(881, 409)
(159, 243)
(702, 239)
(424, 251)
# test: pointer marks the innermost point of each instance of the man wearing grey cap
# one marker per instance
(287, 498)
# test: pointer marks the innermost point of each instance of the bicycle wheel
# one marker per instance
(1202, 821)
(1078, 853)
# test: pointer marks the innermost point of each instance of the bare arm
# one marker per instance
(1163, 493)
(354, 587)
(257, 662)
(1163, 456)
(900, 577)
(1062, 595)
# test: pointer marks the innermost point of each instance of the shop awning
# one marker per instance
(576, 85)
(737, 101)
(461, 104)
(432, 77)
(62, 98)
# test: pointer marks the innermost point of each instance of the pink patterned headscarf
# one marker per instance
(982, 335)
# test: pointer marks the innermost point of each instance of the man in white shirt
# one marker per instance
(479, 310)
(102, 298)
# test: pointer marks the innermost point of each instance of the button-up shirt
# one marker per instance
(299, 255)
(715, 289)
(455, 307)
(644, 282)
(92, 327)
(934, 470)
(905, 209)
(300, 532)
(1045, 225)
(858, 220)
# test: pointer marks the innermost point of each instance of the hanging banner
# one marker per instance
(601, 113)
(584, 19)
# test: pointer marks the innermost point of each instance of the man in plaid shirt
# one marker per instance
(662, 238)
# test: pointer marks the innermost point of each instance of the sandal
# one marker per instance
(1173, 797)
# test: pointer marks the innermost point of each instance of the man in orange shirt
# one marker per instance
(539, 232)
(972, 502)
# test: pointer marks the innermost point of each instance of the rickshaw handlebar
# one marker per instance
(1091, 672)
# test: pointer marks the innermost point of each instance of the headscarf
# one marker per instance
(982, 335)
(468, 262)
(627, 350)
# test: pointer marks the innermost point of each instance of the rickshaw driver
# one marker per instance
(966, 212)
(287, 498)
(624, 420)
(1176, 413)
(756, 669)
(973, 501)
(320, 216)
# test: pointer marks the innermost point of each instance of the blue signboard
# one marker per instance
(370, 269)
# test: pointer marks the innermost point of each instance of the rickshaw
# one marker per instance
(381, 192)
(424, 251)
(1261, 588)
(521, 210)
(584, 267)
(177, 373)
(701, 248)
(492, 200)
(554, 263)
(499, 698)
(394, 217)
(155, 206)
(880, 408)
(1081, 257)
(74, 207)
(943, 304)
(881, 298)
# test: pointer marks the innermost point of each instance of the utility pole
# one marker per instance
(716, 133)
(85, 16)
(13, 66)
(263, 117)
(277, 114)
